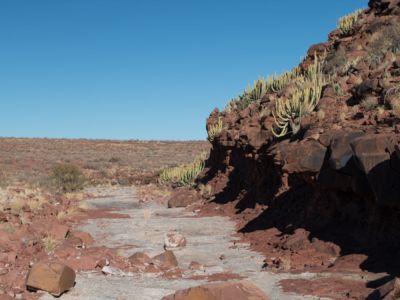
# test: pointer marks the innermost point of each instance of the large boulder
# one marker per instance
(238, 290)
(52, 277)
(341, 151)
(303, 157)
(377, 158)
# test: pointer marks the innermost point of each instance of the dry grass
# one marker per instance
(49, 243)
(101, 161)
(70, 212)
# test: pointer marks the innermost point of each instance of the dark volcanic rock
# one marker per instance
(338, 178)
(377, 158)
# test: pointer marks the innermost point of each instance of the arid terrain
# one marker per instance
(295, 195)
(103, 161)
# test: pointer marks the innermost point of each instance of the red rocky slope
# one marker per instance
(327, 198)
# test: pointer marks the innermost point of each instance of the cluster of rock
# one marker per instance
(339, 178)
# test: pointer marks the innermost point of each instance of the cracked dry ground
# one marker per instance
(132, 225)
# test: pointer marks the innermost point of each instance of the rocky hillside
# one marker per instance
(313, 155)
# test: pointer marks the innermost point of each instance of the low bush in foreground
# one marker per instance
(67, 178)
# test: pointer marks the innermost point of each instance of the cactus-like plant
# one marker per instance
(184, 174)
(276, 83)
(346, 23)
(289, 112)
(214, 129)
(261, 87)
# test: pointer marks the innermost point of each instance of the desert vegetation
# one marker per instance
(346, 23)
(67, 178)
(214, 130)
(183, 174)
(303, 100)
(30, 161)
(306, 163)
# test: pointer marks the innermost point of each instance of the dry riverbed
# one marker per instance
(210, 243)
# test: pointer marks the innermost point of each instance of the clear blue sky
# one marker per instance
(148, 69)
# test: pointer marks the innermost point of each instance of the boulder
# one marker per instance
(303, 157)
(377, 158)
(299, 240)
(314, 158)
(52, 277)
(139, 258)
(238, 290)
(341, 151)
(166, 260)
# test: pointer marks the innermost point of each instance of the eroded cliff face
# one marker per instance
(338, 179)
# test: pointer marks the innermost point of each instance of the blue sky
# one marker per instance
(148, 69)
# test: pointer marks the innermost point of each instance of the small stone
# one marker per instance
(52, 277)
(194, 265)
(103, 262)
(166, 260)
(108, 270)
(174, 240)
(139, 258)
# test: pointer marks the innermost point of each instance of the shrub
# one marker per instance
(338, 90)
(184, 174)
(346, 23)
(388, 39)
(214, 129)
(67, 178)
(289, 112)
(369, 103)
(49, 243)
(336, 60)
(115, 160)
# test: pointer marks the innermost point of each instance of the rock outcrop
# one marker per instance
(338, 178)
